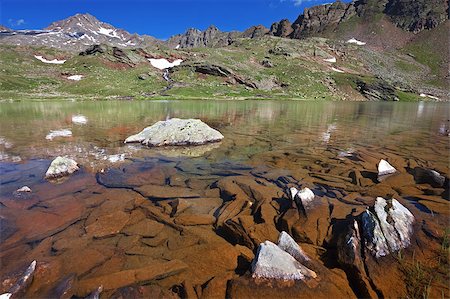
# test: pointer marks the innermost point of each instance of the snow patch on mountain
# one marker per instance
(54, 61)
(108, 32)
(163, 63)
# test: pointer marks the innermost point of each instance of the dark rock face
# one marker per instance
(318, 18)
(428, 176)
(114, 54)
(417, 15)
(94, 49)
(194, 38)
(377, 91)
(255, 32)
(215, 70)
(282, 28)
(411, 15)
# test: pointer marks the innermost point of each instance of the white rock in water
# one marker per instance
(289, 245)
(399, 228)
(79, 119)
(24, 189)
(176, 131)
(271, 262)
(385, 168)
(61, 166)
(58, 133)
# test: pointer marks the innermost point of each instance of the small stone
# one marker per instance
(24, 189)
(60, 167)
(143, 76)
(384, 168)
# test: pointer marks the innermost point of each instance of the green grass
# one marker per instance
(405, 96)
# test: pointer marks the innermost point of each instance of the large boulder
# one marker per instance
(60, 167)
(428, 176)
(176, 132)
(396, 222)
(388, 229)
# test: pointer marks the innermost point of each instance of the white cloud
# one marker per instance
(16, 23)
(297, 2)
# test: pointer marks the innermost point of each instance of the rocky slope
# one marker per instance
(409, 15)
(76, 33)
(194, 38)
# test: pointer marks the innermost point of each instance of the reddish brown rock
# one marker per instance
(129, 277)
(144, 228)
(200, 219)
(161, 192)
(216, 287)
(108, 225)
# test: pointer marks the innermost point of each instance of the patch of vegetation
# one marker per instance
(426, 279)
(405, 96)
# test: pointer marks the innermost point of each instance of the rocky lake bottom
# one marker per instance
(187, 222)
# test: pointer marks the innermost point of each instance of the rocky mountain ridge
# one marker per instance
(82, 30)
(409, 15)
(76, 33)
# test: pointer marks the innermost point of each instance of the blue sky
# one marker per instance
(158, 18)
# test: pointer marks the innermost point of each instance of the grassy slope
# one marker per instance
(299, 72)
(431, 48)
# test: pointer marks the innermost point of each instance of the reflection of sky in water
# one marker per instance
(99, 128)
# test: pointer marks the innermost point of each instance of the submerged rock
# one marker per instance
(384, 168)
(24, 189)
(60, 167)
(272, 262)
(95, 294)
(79, 119)
(176, 132)
(20, 287)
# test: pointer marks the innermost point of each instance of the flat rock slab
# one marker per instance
(162, 192)
(145, 228)
(133, 276)
(186, 219)
(108, 225)
(176, 131)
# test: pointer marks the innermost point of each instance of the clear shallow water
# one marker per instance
(277, 144)
(250, 127)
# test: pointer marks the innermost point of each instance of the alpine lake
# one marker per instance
(169, 222)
